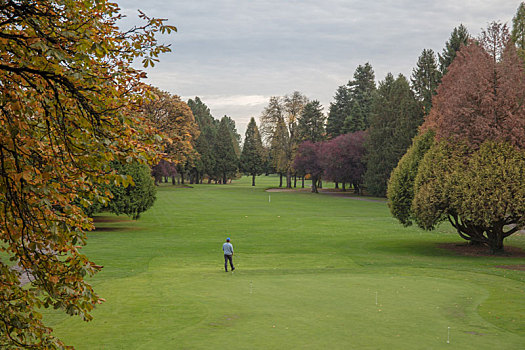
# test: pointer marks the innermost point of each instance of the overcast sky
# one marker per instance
(234, 55)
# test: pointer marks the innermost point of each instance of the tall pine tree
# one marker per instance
(518, 30)
(458, 38)
(425, 78)
(339, 111)
(362, 90)
(226, 159)
(310, 126)
(396, 115)
(251, 161)
(205, 143)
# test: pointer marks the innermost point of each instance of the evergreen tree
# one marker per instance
(311, 122)
(226, 160)
(396, 115)
(251, 161)
(339, 111)
(206, 140)
(425, 78)
(136, 197)
(361, 90)
(458, 38)
(201, 112)
(236, 137)
(518, 30)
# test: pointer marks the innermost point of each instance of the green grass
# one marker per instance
(309, 269)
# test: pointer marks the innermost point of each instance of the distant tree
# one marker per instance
(175, 120)
(396, 116)
(339, 111)
(518, 30)
(310, 126)
(293, 105)
(458, 38)
(138, 196)
(205, 143)
(251, 160)
(271, 115)
(280, 149)
(226, 160)
(343, 159)
(425, 78)
(361, 90)
(201, 112)
(285, 110)
(308, 160)
(236, 137)
(163, 169)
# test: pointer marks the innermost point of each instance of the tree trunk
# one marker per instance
(182, 178)
(224, 178)
(280, 179)
(302, 181)
(295, 181)
(253, 179)
(336, 185)
(288, 179)
(343, 185)
(320, 182)
(314, 184)
(172, 180)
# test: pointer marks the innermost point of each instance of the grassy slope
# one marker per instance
(309, 268)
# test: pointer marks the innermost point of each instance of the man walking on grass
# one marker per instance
(227, 248)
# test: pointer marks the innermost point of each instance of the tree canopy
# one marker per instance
(68, 108)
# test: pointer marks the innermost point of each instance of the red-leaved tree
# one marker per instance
(308, 161)
(481, 97)
(343, 161)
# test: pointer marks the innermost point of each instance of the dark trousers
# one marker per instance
(230, 259)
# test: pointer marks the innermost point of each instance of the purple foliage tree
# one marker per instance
(342, 159)
(308, 161)
(164, 169)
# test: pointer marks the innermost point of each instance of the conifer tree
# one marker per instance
(310, 126)
(226, 160)
(251, 161)
(425, 78)
(339, 111)
(458, 38)
(396, 115)
(204, 144)
(362, 90)
(518, 30)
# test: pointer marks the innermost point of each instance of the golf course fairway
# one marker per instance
(313, 271)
